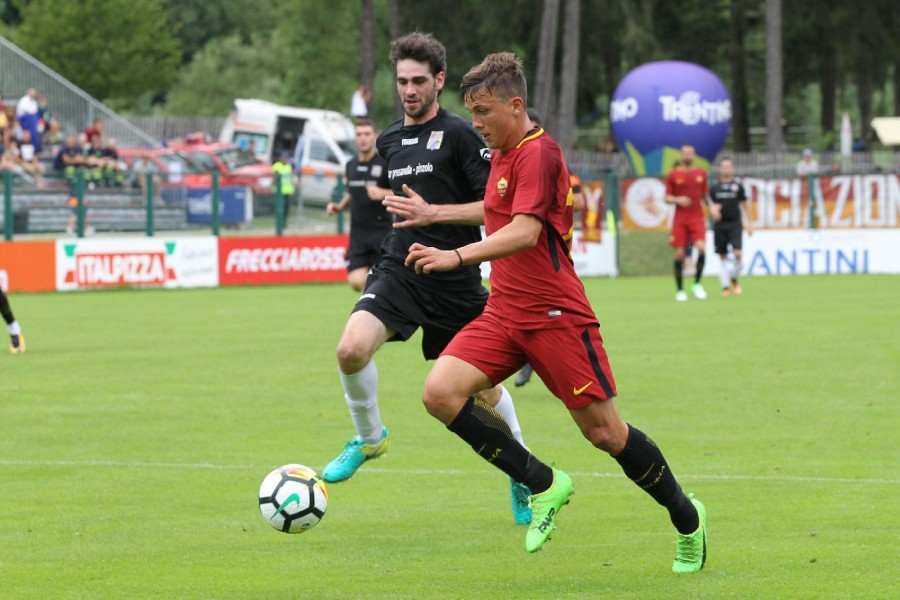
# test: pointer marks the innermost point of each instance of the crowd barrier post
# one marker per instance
(149, 203)
(336, 196)
(811, 198)
(79, 203)
(7, 205)
(279, 207)
(215, 218)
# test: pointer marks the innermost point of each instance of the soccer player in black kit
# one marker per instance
(16, 339)
(436, 157)
(728, 207)
(369, 219)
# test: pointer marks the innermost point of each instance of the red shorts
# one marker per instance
(687, 230)
(571, 361)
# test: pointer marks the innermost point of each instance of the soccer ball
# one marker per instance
(293, 498)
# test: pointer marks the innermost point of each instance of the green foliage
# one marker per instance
(110, 48)
(139, 424)
(196, 22)
(226, 69)
(322, 62)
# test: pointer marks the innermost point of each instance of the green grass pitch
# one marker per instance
(139, 424)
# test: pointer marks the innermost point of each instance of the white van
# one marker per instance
(267, 129)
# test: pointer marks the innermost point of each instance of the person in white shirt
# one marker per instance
(808, 165)
(359, 104)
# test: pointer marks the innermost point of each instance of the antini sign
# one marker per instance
(660, 106)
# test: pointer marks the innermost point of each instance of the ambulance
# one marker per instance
(326, 138)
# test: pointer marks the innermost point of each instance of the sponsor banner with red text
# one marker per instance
(841, 202)
(140, 262)
(27, 266)
(269, 260)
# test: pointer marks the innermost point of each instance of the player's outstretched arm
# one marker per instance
(520, 234)
(415, 211)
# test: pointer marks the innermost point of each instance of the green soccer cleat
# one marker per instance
(691, 554)
(545, 507)
(519, 494)
(699, 292)
(355, 453)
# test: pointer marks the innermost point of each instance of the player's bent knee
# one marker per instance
(604, 437)
(351, 356)
(442, 400)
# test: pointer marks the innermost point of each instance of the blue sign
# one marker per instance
(660, 106)
(234, 206)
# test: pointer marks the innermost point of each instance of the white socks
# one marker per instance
(724, 275)
(508, 412)
(14, 328)
(361, 395)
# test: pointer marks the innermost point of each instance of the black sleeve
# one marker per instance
(742, 194)
(475, 159)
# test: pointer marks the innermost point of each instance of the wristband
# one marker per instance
(458, 256)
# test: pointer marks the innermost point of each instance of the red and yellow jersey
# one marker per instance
(691, 182)
(535, 288)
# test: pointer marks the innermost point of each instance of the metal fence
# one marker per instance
(74, 108)
(596, 165)
(169, 127)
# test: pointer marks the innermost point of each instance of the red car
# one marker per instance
(235, 165)
(174, 169)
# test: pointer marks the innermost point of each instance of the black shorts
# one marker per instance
(364, 251)
(404, 307)
(728, 233)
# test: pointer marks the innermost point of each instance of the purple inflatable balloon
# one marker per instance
(660, 106)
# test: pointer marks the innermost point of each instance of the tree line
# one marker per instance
(799, 61)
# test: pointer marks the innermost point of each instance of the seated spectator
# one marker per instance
(52, 138)
(4, 124)
(13, 129)
(94, 134)
(69, 159)
(29, 158)
(808, 165)
(113, 168)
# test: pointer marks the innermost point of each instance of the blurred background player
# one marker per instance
(436, 160)
(16, 339)
(370, 221)
(686, 188)
(728, 207)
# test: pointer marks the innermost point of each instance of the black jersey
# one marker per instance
(729, 196)
(369, 220)
(446, 162)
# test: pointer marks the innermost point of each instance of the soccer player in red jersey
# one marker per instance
(686, 188)
(537, 311)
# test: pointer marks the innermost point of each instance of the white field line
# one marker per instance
(452, 472)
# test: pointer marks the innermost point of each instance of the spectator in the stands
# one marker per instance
(94, 134)
(29, 158)
(69, 159)
(27, 114)
(113, 168)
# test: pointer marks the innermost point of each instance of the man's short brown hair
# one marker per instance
(499, 73)
(421, 47)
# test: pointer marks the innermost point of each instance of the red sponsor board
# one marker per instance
(256, 261)
(840, 202)
(120, 268)
(28, 266)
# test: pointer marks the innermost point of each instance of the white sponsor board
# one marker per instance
(140, 262)
(817, 251)
(591, 259)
